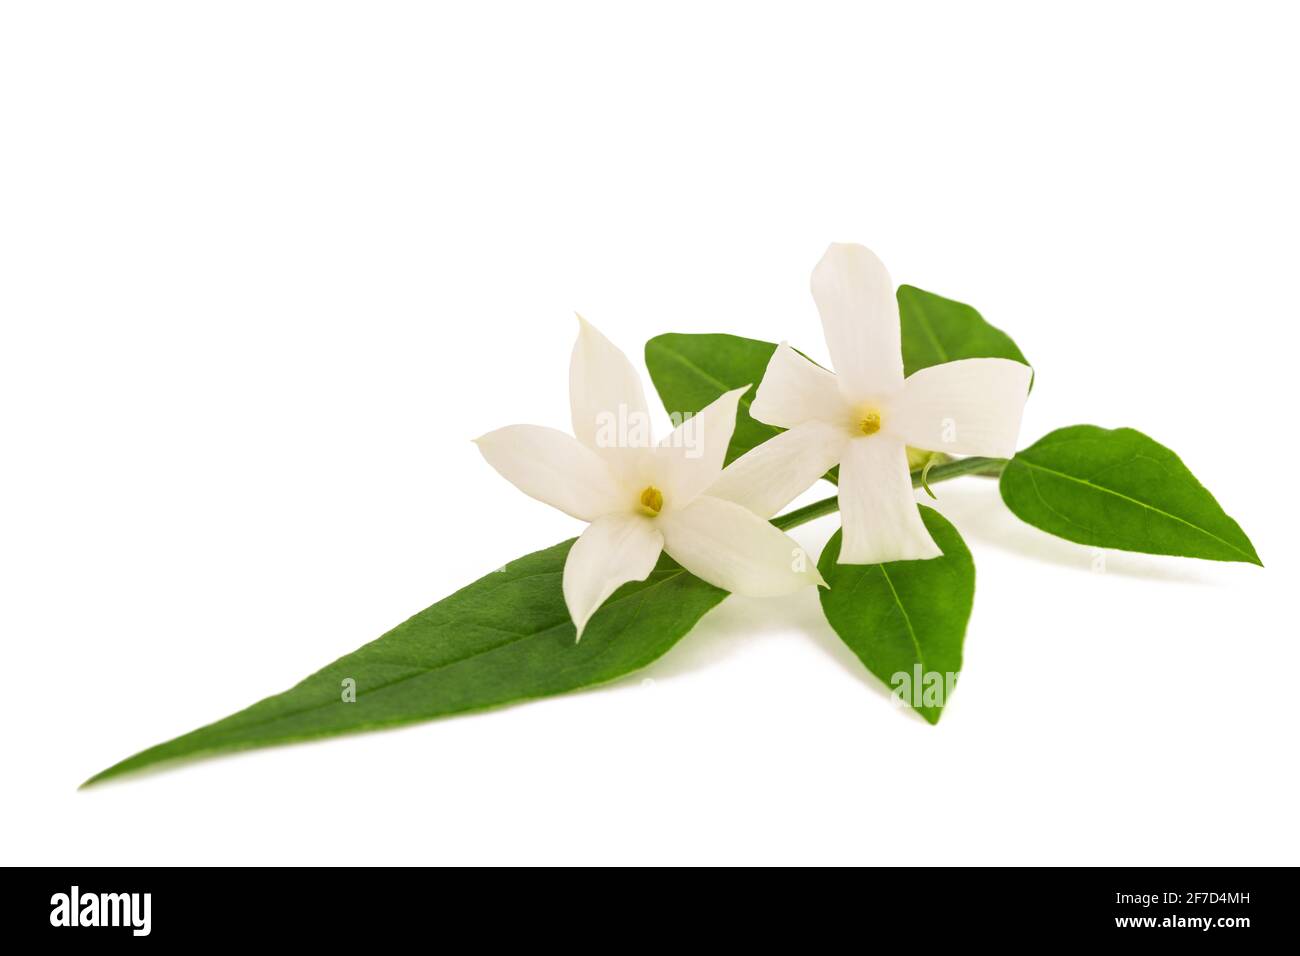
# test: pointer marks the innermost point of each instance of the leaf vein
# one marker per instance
(425, 670)
(907, 618)
(1136, 501)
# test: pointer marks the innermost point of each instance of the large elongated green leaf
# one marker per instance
(906, 620)
(938, 330)
(506, 637)
(1120, 489)
(690, 371)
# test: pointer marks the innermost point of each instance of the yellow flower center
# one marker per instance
(869, 423)
(652, 501)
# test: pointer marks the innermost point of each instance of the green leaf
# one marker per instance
(938, 330)
(690, 371)
(1120, 489)
(905, 618)
(506, 637)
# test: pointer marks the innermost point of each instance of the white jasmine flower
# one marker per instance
(865, 414)
(642, 498)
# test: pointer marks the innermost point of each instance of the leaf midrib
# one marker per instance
(907, 618)
(1139, 503)
(423, 671)
(929, 333)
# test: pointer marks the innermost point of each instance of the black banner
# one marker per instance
(137, 907)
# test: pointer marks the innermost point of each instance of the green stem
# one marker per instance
(951, 469)
(807, 513)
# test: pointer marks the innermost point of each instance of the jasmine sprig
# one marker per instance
(669, 534)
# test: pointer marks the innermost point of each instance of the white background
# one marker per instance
(266, 268)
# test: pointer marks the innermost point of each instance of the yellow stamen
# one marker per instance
(869, 423)
(652, 501)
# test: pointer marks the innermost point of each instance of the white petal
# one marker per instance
(855, 297)
(556, 468)
(690, 459)
(771, 475)
(731, 547)
(605, 394)
(795, 390)
(878, 507)
(968, 407)
(613, 550)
